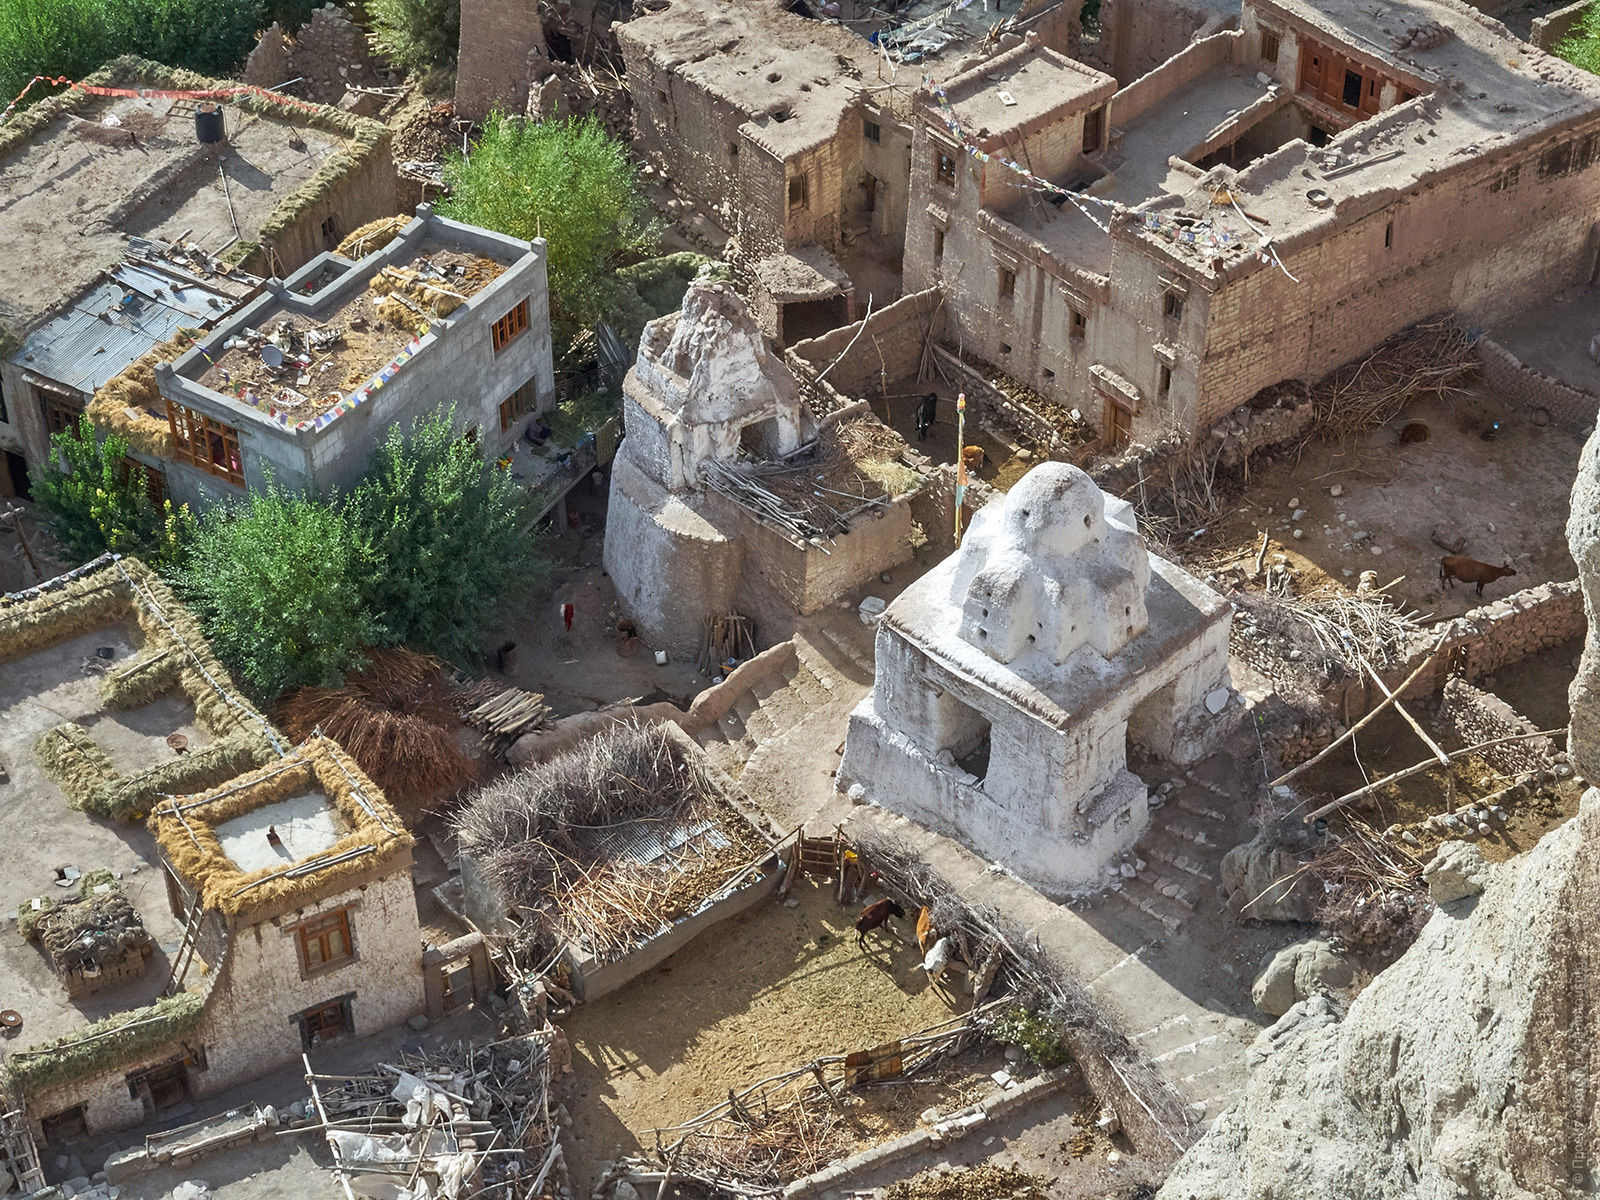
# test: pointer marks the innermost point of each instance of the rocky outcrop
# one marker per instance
(1264, 879)
(1467, 1069)
(1583, 538)
(1298, 972)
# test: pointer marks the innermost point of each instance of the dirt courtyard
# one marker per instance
(765, 992)
(1507, 498)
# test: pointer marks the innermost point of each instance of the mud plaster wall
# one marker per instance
(1475, 715)
(328, 56)
(364, 194)
(1457, 245)
(492, 70)
(933, 507)
(246, 1028)
(1137, 36)
(888, 350)
(1517, 383)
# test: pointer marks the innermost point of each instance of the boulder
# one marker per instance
(1452, 1074)
(1458, 870)
(1251, 875)
(1296, 972)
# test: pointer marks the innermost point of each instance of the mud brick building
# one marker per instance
(1268, 204)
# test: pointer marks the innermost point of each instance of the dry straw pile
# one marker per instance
(186, 827)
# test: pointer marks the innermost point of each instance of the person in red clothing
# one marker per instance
(566, 616)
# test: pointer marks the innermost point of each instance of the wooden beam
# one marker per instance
(1354, 729)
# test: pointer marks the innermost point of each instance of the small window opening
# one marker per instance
(1172, 305)
(1269, 46)
(947, 169)
(938, 244)
(1163, 379)
(872, 131)
(799, 191)
(1005, 347)
(1078, 325)
(1008, 283)
(1388, 236)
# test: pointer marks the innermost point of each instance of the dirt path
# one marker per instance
(763, 993)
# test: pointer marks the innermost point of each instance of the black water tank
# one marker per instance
(208, 124)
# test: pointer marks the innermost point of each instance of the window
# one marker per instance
(1048, 373)
(325, 1022)
(733, 151)
(509, 326)
(155, 482)
(1008, 283)
(205, 442)
(799, 192)
(871, 131)
(5, 418)
(661, 97)
(1352, 89)
(65, 1126)
(330, 232)
(1172, 305)
(325, 941)
(1077, 323)
(516, 406)
(1269, 46)
(938, 244)
(1388, 236)
(1005, 347)
(947, 169)
(1163, 379)
(60, 413)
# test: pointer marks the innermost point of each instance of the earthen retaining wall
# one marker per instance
(1477, 716)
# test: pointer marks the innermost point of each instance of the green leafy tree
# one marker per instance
(277, 580)
(451, 547)
(568, 182)
(101, 501)
(1582, 48)
(417, 34)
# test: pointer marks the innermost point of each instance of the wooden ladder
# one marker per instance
(20, 1149)
(186, 950)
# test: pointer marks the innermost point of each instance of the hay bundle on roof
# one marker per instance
(96, 929)
(130, 403)
(395, 718)
(608, 843)
(374, 235)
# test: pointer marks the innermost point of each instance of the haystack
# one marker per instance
(396, 719)
(130, 403)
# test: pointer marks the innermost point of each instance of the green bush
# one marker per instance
(417, 34)
(72, 38)
(1582, 48)
(85, 1051)
(1033, 1033)
(277, 580)
(449, 537)
(99, 499)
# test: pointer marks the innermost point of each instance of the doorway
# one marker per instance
(325, 1022)
(14, 479)
(161, 1088)
(1119, 425)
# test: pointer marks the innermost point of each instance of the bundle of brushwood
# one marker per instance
(1432, 358)
(501, 714)
(607, 844)
(726, 637)
(397, 719)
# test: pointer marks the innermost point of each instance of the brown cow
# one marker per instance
(1469, 570)
(926, 934)
(873, 916)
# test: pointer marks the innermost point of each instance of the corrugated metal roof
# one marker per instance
(113, 323)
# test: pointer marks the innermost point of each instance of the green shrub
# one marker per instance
(1582, 47)
(417, 34)
(1034, 1034)
(85, 1052)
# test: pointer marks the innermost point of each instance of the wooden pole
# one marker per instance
(1354, 729)
(16, 515)
(322, 1115)
(1419, 768)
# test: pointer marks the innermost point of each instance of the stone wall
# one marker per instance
(1550, 30)
(1475, 715)
(364, 193)
(1532, 390)
(327, 57)
(492, 72)
(1137, 36)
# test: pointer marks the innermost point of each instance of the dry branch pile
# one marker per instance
(501, 714)
(396, 718)
(96, 929)
(1323, 635)
(471, 1120)
(1432, 358)
(608, 843)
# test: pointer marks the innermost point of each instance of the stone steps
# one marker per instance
(1152, 904)
(1178, 858)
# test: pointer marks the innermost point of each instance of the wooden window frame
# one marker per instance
(945, 167)
(59, 413)
(517, 405)
(1094, 130)
(872, 131)
(305, 1017)
(155, 481)
(938, 245)
(1006, 287)
(1077, 323)
(1172, 306)
(511, 326)
(205, 443)
(314, 942)
(1270, 46)
(799, 192)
